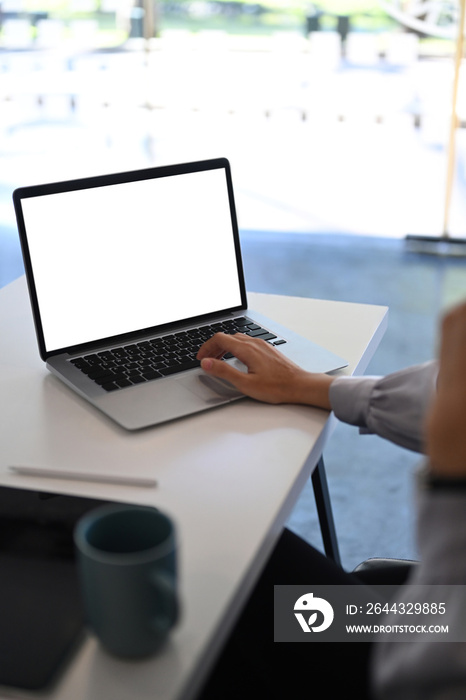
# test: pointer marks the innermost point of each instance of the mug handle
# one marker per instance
(164, 585)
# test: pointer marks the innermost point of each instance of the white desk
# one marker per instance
(229, 478)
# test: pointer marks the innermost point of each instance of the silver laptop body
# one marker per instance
(128, 274)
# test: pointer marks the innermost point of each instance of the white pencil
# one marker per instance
(84, 476)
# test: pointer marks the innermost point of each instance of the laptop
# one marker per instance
(128, 274)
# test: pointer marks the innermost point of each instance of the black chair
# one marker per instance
(384, 571)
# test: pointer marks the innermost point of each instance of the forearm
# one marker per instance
(393, 407)
(312, 390)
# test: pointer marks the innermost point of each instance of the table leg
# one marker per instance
(324, 511)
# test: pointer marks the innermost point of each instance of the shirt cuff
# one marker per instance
(350, 398)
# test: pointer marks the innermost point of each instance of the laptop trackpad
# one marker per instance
(210, 389)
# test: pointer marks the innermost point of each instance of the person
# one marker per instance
(422, 408)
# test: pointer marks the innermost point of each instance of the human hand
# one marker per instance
(446, 422)
(271, 377)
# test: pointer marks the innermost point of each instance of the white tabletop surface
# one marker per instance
(229, 477)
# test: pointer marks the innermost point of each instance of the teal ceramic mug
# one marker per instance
(126, 559)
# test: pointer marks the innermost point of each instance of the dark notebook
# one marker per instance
(41, 614)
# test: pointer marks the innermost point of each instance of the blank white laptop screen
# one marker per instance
(131, 255)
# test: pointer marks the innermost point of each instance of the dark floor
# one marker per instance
(370, 481)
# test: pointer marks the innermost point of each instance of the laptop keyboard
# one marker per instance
(136, 363)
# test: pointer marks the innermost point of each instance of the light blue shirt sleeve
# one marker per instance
(393, 407)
